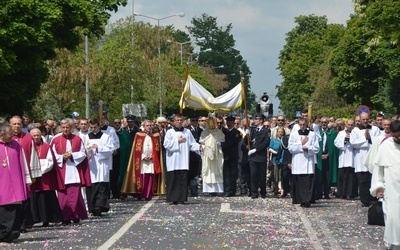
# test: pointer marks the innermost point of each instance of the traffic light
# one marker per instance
(265, 106)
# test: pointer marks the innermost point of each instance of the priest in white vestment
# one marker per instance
(178, 142)
(303, 145)
(100, 162)
(213, 158)
(362, 138)
(386, 184)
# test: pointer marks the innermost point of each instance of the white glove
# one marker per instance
(247, 131)
(202, 142)
(252, 151)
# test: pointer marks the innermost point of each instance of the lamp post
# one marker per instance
(181, 44)
(181, 14)
(87, 111)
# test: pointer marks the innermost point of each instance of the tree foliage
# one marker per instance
(302, 61)
(111, 74)
(223, 52)
(30, 34)
(366, 63)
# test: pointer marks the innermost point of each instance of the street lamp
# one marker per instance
(181, 14)
(87, 111)
(190, 41)
(219, 67)
(197, 53)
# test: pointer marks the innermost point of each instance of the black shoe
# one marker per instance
(365, 204)
(254, 197)
(23, 229)
(45, 224)
(97, 212)
(263, 196)
(327, 197)
(77, 221)
(12, 236)
(66, 222)
(174, 203)
(307, 204)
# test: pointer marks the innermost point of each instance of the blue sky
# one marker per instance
(259, 27)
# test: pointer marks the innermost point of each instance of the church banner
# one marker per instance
(196, 97)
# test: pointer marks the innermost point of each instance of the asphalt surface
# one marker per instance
(214, 223)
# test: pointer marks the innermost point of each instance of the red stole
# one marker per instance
(51, 180)
(60, 143)
(137, 156)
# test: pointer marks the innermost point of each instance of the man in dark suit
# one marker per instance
(231, 156)
(132, 129)
(259, 142)
(194, 159)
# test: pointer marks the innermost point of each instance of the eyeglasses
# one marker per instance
(219, 122)
(194, 120)
(202, 120)
(117, 122)
(324, 122)
(236, 123)
(279, 120)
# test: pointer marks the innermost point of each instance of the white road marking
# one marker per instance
(127, 225)
(310, 231)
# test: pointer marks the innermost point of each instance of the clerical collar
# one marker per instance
(305, 132)
(365, 127)
(178, 129)
(95, 136)
(68, 136)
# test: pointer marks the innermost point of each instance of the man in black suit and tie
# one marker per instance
(132, 129)
(259, 142)
(194, 159)
(231, 156)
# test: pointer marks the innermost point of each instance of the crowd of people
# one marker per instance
(58, 173)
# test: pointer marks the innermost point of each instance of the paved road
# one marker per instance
(214, 223)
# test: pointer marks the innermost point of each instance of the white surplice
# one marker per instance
(386, 175)
(345, 150)
(303, 162)
(177, 154)
(361, 146)
(100, 161)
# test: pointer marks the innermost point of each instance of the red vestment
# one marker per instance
(60, 143)
(51, 180)
(132, 182)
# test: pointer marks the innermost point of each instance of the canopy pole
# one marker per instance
(245, 105)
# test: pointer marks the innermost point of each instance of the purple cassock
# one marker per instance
(13, 173)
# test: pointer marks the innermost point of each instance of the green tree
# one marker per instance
(30, 33)
(365, 64)
(111, 74)
(223, 52)
(302, 62)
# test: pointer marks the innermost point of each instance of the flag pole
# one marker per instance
(245, 105)
(183, 87)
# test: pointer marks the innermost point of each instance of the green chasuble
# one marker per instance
(333, 157)
(125, 145)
